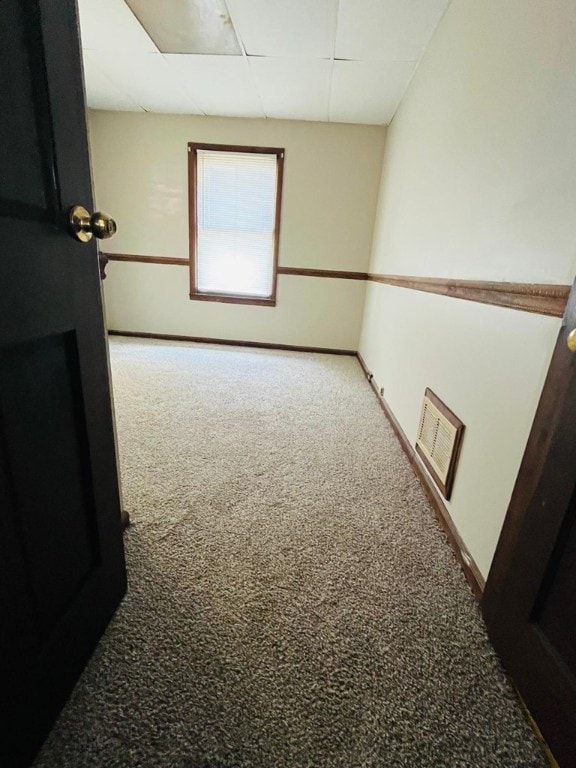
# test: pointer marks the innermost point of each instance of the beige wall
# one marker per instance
(479, 182)
(331, 178)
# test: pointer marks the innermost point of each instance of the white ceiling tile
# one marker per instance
(149, 81)
(101, 93)
(368, 92)
(386, 30)
(219, 85)
(285, 28)
(296, 89)
(289, 75)
(110, 25)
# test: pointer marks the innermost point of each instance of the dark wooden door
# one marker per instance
(62, 568)
(530, 598)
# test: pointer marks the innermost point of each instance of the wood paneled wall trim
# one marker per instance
(471, 570)
(334, 273)
(232, 342)
(339, 273)
(147, 259)
(538, 298)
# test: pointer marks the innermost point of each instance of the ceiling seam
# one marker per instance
(333, 59)
(182, 84)
(246, 59)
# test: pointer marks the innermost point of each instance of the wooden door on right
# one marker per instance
(529, 602)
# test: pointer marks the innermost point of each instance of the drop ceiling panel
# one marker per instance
(368, 92)
(148, 80)
(280, 28)
(101, 93)
(297, 89)
(219, 85)
(386, 30)
(111, 25)
(188, 26)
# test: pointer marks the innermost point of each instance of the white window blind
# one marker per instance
(235, 222)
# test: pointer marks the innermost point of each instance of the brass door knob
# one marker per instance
(83, 226)
(571, 340)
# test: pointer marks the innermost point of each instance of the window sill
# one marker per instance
(225, 299)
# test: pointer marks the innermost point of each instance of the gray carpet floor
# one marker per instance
(292, 601)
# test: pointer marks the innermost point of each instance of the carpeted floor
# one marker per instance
(292, 602)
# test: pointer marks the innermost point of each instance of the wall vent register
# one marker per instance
(438, 442)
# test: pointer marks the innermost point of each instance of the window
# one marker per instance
(234, 197)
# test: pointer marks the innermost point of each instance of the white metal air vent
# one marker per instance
(438, 442)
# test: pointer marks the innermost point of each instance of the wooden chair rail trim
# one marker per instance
(539, 298)
(338, 273)
(471, 570)
(140, 259)
(298, 271)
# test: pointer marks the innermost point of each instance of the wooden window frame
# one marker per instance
(192, 218)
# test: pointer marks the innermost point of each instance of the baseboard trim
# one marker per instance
(471, 570)
(232, 342)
